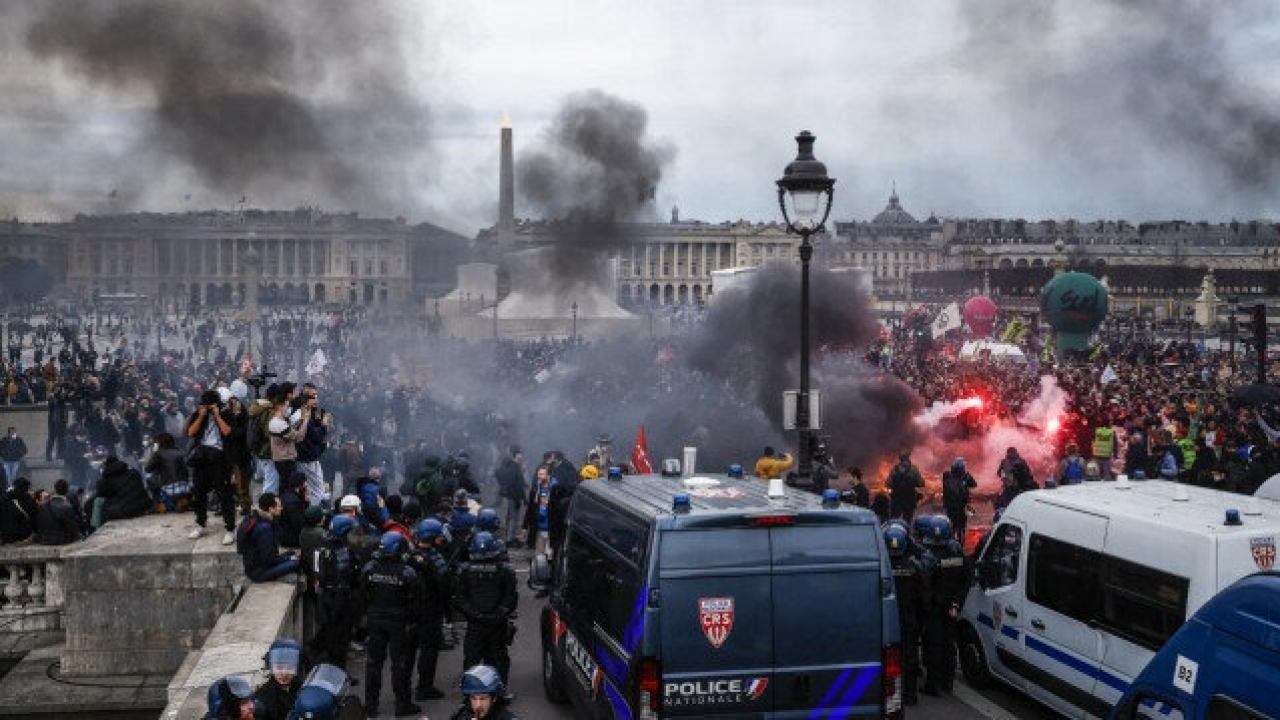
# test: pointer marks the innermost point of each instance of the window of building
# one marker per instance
(382, 267)
(288, 258)
(368, 266)
(353, 266)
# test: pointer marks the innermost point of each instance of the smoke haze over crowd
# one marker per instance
(286, 103)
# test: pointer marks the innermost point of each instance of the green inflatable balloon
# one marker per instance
(1073, 304)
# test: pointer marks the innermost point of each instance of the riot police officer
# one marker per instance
(487, 520)
(337, 581)
(393, 598)
(277, 695)
(428, 559)
(948, 584)
(231, 698)
(324, 696)
(910, 579)
(486, 595)
(483, 696)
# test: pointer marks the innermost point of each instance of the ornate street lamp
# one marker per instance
(801, 189)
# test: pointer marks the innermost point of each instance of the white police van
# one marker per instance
(1079, 587)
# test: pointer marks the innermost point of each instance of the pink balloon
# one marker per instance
(980, 315)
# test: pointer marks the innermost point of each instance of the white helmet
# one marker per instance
(349, 502)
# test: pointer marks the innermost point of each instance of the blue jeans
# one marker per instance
(270, 478)
(11, 470)
(284, 567)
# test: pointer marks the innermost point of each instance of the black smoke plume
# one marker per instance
(1087, 78)
(596, 170)
(279, 100)
(750, 340)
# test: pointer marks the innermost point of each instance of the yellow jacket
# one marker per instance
(768, 468)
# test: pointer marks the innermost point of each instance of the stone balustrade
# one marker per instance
(32, 597)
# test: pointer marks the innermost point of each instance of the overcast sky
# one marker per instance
(1136, 110)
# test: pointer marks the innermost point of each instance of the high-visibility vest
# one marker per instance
(1188, 448)
(1104, 442)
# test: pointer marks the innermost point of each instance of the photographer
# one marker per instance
(312, 445)
(285, 434)
(207, 459)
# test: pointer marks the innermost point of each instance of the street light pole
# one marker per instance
(1233, 302)
(573, 338)
(804, 182)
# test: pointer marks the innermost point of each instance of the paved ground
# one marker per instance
(526, 680)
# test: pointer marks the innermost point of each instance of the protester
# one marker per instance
(770, 466)
(58, 521)
(121, 493)
(18, 514)
(256, 542)
(12, 452)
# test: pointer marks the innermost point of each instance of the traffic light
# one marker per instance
(1258, 320)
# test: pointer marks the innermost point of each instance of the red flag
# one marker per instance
(640, 454)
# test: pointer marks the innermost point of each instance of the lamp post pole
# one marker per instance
(1233, 302)
(573, 338)
(801, 192)
(804, 468)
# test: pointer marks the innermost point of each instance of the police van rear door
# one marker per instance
(827, 625)
(717, 622)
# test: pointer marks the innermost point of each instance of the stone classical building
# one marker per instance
(199, 258)
(996, 243)
(891, 246)
(669, 263)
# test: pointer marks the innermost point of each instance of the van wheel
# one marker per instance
(973, 659)
(551, 686)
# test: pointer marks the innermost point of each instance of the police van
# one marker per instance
(710, 597)
(1223, 664)
(1078, 587)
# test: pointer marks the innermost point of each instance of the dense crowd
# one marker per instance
(1140, 407)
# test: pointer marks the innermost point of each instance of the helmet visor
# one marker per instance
(239, 686)
(284, 659)
(330, 678)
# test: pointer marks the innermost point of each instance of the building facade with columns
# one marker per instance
(671, 263)
(199, 258)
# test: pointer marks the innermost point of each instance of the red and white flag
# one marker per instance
(640, 454)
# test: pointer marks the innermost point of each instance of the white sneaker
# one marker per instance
(228, 537)
(196, 533)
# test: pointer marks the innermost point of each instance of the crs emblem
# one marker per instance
(1263, 550)
(716, 618)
